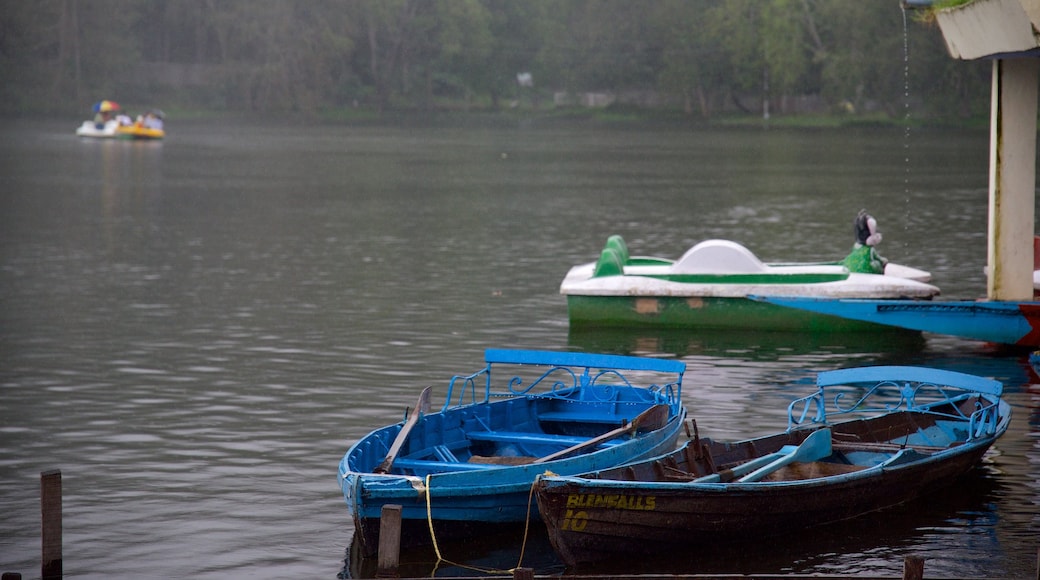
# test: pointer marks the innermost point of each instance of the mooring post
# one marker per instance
(389, 555)
(913, 568)
(1012, 178)
(50, 506)
(523, 574)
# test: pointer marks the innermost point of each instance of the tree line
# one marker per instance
(701, 57)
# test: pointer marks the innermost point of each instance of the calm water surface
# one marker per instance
(194, 331)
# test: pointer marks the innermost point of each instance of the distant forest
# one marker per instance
(699, 57)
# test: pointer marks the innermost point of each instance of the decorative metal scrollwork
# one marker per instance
(889, 396)
(558, 382)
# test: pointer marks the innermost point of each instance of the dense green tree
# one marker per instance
(518, 31)
(702, 56)
(55, 50)
(786, 54)
(693, 67)
(449, 51)
(603, 45)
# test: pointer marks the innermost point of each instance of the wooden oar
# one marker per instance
(766, 461)
(728, 475)
(816, 446)
(651, 419)
(421, 406)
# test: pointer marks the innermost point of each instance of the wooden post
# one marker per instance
(50, 506)
(389, 556)
(1012, 178)
(913, 568)
(523, 574)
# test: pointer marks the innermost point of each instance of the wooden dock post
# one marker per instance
(389, 555)
(50, 506)
(913, 568)
(1012, 178)
(523, 574)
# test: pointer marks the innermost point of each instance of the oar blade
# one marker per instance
(816, 446)
(652, 419)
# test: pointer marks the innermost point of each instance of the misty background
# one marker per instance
(697, 58)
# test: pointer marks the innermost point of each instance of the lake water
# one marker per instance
(194, 331)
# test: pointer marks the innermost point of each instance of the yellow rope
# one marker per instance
(527, 523)
(437, 549)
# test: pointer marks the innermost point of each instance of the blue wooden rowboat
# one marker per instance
(472, 463)
(901, 432)
(1003, 322)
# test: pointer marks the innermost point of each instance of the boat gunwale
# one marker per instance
(639, 487)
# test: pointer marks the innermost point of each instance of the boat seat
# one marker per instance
(572, 417)
(610, 263)
(503, 459)
(719, 257)
(618, 243)
(434, 466)
(531, 438)
(871, 447)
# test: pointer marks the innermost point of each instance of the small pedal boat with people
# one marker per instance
(868, 439)
(110, 122)
(471, 464)
(710, 285)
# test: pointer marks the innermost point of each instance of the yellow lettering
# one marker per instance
(581, 519)
(575, 521)
(621, 502)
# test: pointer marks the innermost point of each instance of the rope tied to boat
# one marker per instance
(437, 549)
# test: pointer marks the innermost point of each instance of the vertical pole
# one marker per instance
(50, 506)
(1012, 178)
(389, 555)
(913, 568)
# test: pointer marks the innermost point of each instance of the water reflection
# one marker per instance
(747, 345)
(490, 553)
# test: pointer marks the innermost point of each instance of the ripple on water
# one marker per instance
(195, 340)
